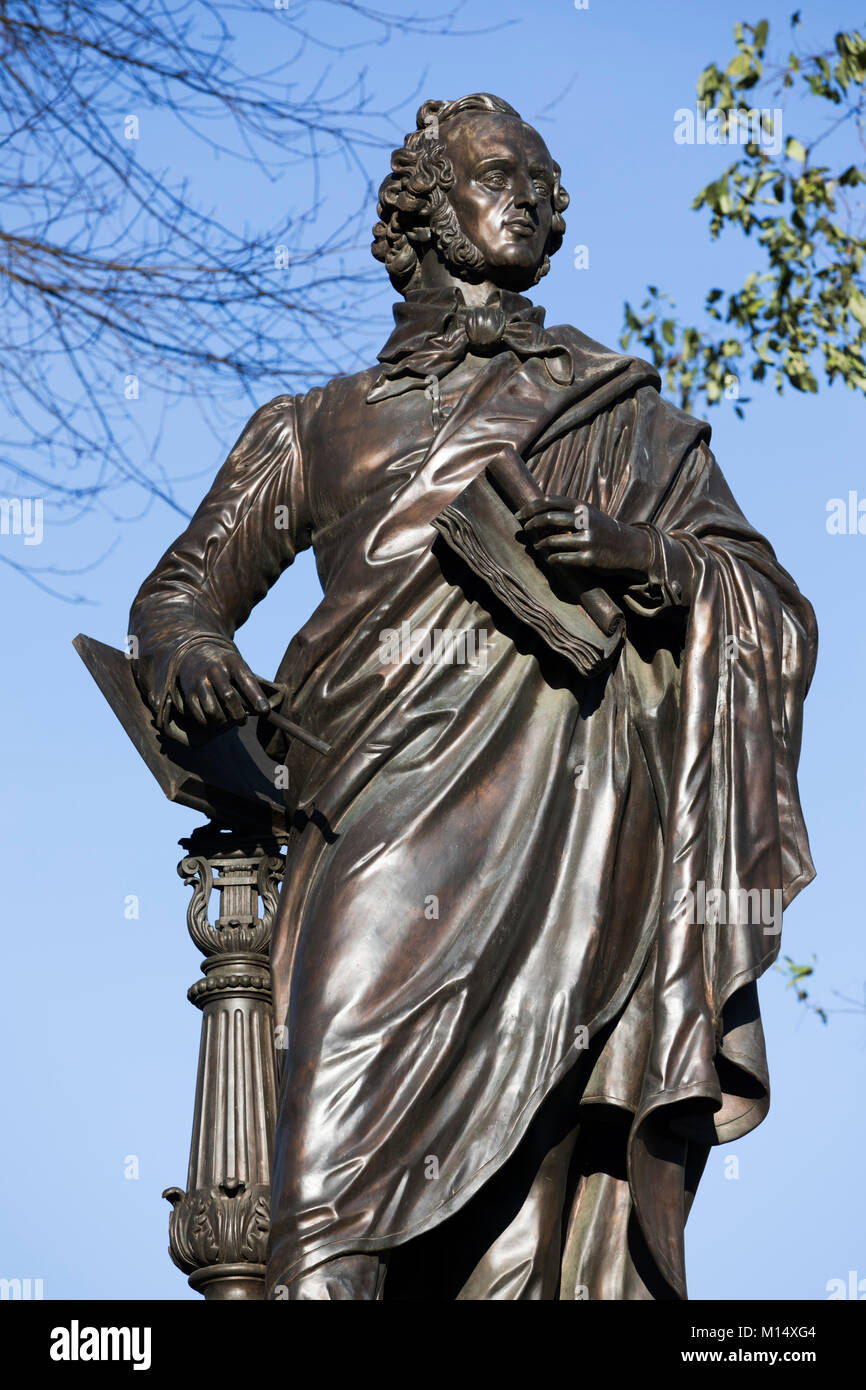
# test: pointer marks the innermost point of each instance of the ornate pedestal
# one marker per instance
(219, 1227)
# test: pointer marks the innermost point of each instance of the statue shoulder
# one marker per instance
(590, 354)
(670, 426)
(659, 415)
(578, 341)
(344, 391)
(288, 420)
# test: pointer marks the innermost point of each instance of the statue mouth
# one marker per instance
(519, 226)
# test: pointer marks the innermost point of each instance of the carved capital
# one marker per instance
(221, 1225)
(242, 872)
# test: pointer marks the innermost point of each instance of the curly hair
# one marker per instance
(414, 207)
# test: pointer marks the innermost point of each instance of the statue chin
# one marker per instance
(505, 275)
(513, 268)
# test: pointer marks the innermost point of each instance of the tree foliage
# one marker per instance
(802, 312)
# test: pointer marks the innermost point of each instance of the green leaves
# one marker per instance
(741, 64)
(857, 307)
(798, 373)
(794, 150)
(794, 976)
(801, 313)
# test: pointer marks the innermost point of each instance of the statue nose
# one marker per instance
(527, 195)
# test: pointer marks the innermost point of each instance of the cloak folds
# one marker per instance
(489, 877)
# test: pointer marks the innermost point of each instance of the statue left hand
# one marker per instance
(567, 533)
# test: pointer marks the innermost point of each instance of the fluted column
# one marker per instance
(218, 1229)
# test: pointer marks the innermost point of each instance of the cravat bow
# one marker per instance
(432, 337)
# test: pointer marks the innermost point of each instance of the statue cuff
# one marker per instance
(662, 588)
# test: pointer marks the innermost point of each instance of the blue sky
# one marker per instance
(99, 1042)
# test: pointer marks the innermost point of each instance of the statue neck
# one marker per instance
(435, 274)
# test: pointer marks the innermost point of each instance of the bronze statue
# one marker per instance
(533, 882)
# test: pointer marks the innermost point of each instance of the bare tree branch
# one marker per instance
(113, 274)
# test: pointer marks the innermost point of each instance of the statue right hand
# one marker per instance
(217, 686)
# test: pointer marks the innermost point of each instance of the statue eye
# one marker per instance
(494, 178)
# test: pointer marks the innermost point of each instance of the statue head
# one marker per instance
(475, 186)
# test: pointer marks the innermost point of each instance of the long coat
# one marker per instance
(485, 906)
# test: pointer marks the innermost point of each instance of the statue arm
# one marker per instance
(246, 531)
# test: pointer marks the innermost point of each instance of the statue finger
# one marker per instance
(560, 520)
(209, 702)
(250, 689)
(572, 558)
(193, 707)
(544, 504)
(231, 701)
(549, 544)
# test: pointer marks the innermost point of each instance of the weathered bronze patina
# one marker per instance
(508, 1048)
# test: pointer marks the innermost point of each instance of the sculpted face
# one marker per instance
(503, 184)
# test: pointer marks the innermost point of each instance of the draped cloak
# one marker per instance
(486, 876)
